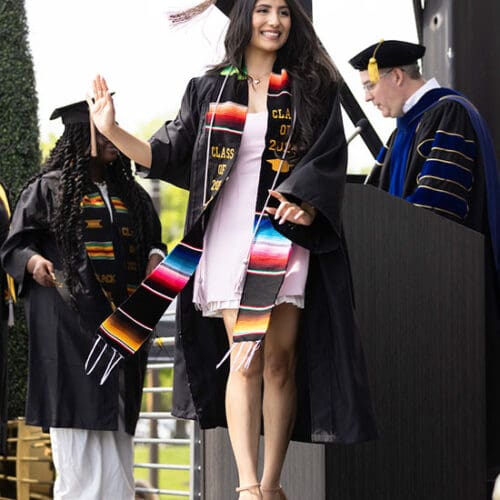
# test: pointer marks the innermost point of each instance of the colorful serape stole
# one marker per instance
(110, 246)
(131, 324)
(268, 260)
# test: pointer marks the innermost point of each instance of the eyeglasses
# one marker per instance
(369, 86)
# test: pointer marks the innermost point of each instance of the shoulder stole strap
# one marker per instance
(132, 323)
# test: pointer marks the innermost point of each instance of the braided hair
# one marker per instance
(71, 155)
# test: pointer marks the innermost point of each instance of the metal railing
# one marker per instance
(158, 429)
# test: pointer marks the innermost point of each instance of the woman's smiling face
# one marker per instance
(271, 24)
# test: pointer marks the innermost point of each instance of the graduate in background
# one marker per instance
(82, 237)
(6, 317)
(441, 158)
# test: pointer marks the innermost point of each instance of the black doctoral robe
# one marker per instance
(333, 395)
(437, 171)
(60, 394)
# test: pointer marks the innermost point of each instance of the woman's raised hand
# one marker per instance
(101, 105)
(291, 212)
(102, 110)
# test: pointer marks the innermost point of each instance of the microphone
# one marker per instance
(360, 126)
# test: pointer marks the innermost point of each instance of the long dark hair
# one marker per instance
(71, 155)
(315, 78)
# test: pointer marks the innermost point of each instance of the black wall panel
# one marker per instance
(418, 281)
(463, 49)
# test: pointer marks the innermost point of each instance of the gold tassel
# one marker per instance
(373, 73)
(188, 14)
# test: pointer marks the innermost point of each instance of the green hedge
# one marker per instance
(19, 157)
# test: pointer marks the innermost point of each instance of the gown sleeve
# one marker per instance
(447, 143)
(173, 144)
(4, 222)
(319, 179)
(28, 227)
(4, 229)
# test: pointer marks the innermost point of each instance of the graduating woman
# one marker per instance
(79, 243)
(259, 144)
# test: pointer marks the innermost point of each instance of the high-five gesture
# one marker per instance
(102, 110)
(101, 106)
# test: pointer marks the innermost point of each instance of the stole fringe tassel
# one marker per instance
(116, 357)
(246, 357)
(185, 16)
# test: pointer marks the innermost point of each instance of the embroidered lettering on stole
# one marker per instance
(126, 330)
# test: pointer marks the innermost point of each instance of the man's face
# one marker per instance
(387, 93)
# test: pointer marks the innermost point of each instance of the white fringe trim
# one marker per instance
(214, 309)
(242, 359)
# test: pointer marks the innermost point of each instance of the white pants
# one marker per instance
(92, 465)
(496, 489)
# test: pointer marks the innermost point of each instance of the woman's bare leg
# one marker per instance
(280, 398)
(243, 411)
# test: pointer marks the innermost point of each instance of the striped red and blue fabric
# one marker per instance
(266, 270)
(131, 324)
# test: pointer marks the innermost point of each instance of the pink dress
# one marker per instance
(220, 275)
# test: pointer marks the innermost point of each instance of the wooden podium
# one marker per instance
(419, 289)
(419, 286)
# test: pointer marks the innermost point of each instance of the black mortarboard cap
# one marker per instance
(78, 112)
(388, 54)
(225, 6)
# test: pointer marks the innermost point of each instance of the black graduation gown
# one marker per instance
(4, 229)
(333, 395)
(60, 394)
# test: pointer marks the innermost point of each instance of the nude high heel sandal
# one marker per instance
(248, 488)
(278, 490)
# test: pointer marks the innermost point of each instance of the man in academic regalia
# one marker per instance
(440, 157)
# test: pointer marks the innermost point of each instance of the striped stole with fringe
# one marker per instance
(133, 322)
